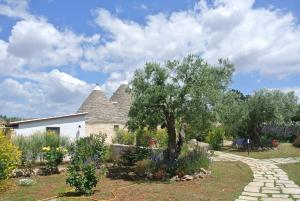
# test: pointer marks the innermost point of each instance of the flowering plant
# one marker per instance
(53, 156)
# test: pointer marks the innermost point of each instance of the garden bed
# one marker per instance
(226, 183)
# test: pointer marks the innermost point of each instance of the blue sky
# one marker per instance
(53, 52)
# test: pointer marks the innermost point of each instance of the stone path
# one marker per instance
(270, 183)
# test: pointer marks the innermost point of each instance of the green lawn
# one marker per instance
(226, 183)
(285, 150)
(293, 171)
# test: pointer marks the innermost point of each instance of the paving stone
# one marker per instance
(270, 191)
(269, 179)
(280, 196)
(295, 191)
(247, 197)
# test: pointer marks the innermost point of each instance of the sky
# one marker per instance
(53, 52)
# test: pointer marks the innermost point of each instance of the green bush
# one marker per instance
(86, 154)
(124, 137)
(9, 157)
(143, 167)
(90, 149)
(215, 137)
(143, 137)
(54, 157)
(132, 155)
(83, 178)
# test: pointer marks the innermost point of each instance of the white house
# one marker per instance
(96, 114)
(71, 126)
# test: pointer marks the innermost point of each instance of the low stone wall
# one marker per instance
(118, 149)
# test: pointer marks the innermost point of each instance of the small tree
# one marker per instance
(269, 106)
(177, 93)
(9, 157)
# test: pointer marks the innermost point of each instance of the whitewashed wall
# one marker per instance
(69, 126)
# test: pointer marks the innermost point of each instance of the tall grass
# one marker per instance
(31, 146)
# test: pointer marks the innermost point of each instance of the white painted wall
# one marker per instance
(69, 126)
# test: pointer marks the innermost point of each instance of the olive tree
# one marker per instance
(179, 92)
(269, 106)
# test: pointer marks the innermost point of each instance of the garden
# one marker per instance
(182, 112)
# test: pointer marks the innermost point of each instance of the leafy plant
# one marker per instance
(143, 167)
(215, 137)
(86, 154)
(190, 163)
(83, 178)
(132, 155)
(124, 137)
(90, 149)
(53, 157)
(9, 157)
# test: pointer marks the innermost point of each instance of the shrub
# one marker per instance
(215, 137)
(124, 137)
(9, 157)
(82, 178)
(296, 143)
(86, 154)
(131, 156)
(144, 136)
(53, 157)
(143, 167)
(90, 149)
(191, 163)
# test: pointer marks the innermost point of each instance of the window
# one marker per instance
(116, 127)
(55, 130)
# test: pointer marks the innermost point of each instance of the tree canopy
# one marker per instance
(269, 106)
(180, 92)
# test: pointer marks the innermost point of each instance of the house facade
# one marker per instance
(97, 114)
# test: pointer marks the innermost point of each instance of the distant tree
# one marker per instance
(269, 106)
(297, 116)
(232, 112)
(177, 93)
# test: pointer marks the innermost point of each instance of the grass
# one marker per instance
(226, 183)
(285, 150)
(293, 171)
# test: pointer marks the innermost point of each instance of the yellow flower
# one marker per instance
(46, 148)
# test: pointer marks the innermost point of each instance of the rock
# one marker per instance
(61, 169)
(175, 178)
(149, 175)
(200, 175)
(17, 173)
(203, 170)
(131, 174)
(187, 178)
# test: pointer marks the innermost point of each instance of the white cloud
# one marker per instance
(40, 44)
(255, 39)
(51, 93)
(15, 8)
(261, 40)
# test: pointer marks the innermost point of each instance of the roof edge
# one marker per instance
(47, 118)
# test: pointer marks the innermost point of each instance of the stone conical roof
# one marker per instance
(122, 100)
(99, 108)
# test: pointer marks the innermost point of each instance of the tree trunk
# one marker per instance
(172, 142)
